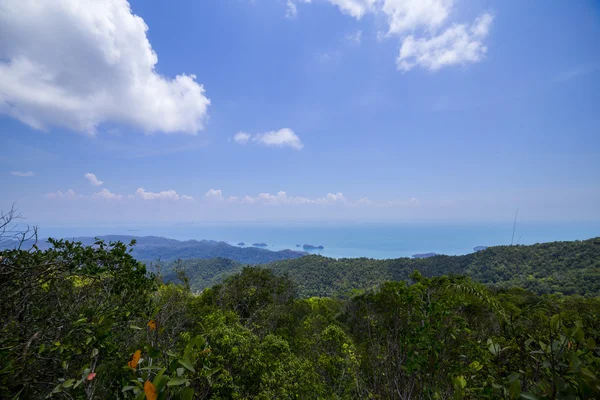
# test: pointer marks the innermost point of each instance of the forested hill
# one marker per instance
(152, 248)
(565, 267)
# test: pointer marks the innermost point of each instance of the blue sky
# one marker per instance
(241, 110)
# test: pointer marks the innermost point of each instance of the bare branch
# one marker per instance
(11, 235)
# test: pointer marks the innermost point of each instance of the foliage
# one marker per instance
(202, 273)
(558, 267)
(90, 322)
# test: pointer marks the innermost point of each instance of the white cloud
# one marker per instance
(282, 138)
(78, 64)
(458, 44)
(248, 200)
(291, 10)
(354, 38)
(92, 179)
(354, 8)
(282, 198)
(331, 199)
(427, 35)
(364, 202)
(215, 195)
(164, 195)
(108, 195)
(69, 194)
(241, 137)
(23, 174)
(407, 15)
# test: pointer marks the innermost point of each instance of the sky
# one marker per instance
(322, 110)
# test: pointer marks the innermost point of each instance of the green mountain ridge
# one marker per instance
(555, 267)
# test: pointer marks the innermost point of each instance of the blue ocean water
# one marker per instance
(372, 240)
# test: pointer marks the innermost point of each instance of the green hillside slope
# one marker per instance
(565, 267)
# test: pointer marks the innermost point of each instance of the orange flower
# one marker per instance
(91, 376)
(152, 324)
(135, 359)
(150, 391)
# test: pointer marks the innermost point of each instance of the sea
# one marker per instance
(344, 240)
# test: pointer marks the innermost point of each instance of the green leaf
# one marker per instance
(494, 347)
(591, 344)
(177, 381)
(555, 321)
(135, 327)
(578, 334)
(158, 377)
(68, 383)
(187, 364)
(187, 394)
(515, 389)
(529, 396)
(475, 365)
(152, 352)
(460, 382)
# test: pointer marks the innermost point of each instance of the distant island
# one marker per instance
(298, 245)
(479, 248)
(425, 255)
(312, 247)
(241, 244)
(259, 244)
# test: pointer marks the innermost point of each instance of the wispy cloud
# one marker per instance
(217, 198)
(69, 194)
(163, 195)
(355, 37)
(282, 198)
(576, 72)
(241, 137)
(291, 10)
(22, 174)
(412, 202)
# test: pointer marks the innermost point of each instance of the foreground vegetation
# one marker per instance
(558, 267)
(79, 322)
